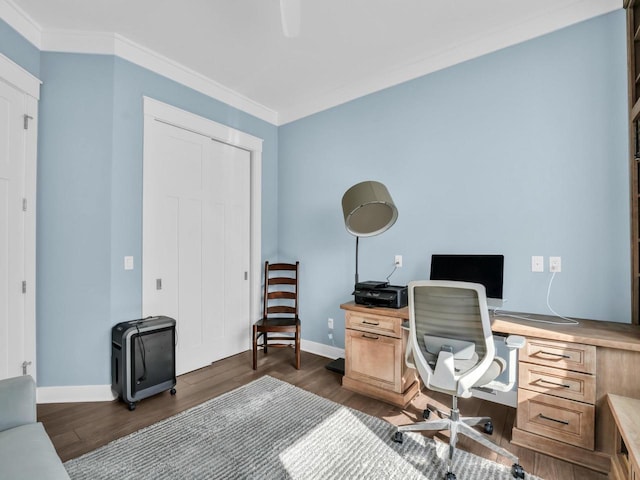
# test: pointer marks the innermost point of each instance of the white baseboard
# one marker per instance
(321, 349)
(103, 393)
(75, 393)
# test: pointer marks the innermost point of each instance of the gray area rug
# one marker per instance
(270, 429)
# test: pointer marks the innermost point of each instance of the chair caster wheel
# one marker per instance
(172, 391)
(398, 437)
(517, 471)
(132, 406)
(450, 476)
(426, 413)
(488, 428)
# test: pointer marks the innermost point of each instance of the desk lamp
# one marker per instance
(368, 210)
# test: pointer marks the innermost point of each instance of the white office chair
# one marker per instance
(451, 346)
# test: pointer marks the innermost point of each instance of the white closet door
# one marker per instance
(227, 233)
(196, 242)
(17, 330)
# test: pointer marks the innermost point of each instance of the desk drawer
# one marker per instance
(364, 322)
(564, 420)
(569, 356)
(558, 382)
(375, 360)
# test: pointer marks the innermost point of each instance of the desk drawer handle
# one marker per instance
(371, 337)
(370, 323)
(540, 380)
(564, 422)
(563, 355)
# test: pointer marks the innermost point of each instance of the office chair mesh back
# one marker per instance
(453, 311)
(450, 313)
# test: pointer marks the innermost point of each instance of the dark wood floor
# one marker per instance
(77, 428)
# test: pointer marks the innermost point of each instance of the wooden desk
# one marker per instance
(604, 357)
(625, 461)
(374, 349)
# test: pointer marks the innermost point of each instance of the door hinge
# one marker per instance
(25, 364)
(24, 286)
(24, 204)
(26, 121)
(246, 275)
(158, 284)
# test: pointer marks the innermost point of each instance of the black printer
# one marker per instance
(380, 294)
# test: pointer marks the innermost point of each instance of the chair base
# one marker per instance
(292, 342)
(459, 425)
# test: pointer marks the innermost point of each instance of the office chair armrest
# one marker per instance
(470, 377)
(513, 343)
(408, 356)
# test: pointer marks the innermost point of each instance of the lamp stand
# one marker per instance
(357, 278)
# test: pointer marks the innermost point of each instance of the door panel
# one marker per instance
(16, 345)
(196, 240)
(230, 194)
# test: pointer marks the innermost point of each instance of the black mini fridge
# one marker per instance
(143, 358)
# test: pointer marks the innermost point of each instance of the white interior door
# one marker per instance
(196, 251)
(17, 240)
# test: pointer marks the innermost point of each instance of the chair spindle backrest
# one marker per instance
(280, 289)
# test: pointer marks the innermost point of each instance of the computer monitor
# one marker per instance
(485, 269)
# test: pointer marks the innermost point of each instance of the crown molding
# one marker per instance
(107, 43)
(114, 44)
(552, 20)
(21, 22)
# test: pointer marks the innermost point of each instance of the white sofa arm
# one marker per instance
(17, 402)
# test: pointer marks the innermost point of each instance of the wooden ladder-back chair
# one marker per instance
(279, 312)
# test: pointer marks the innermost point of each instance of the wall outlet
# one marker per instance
(398, 261)
(128, 263)
(555, 264)
(330, 323)
(537, 263)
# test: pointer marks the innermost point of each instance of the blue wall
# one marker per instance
(521, 152)
(90, 199)
(131, 84)
(90, 203)
(16, 48)
(73, 237)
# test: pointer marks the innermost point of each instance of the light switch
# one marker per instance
(128, 263)
(537, 263)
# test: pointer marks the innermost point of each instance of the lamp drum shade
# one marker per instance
(368, 209)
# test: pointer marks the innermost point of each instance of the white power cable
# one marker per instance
(569, 321)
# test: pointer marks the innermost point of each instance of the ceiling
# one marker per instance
(345, 48)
